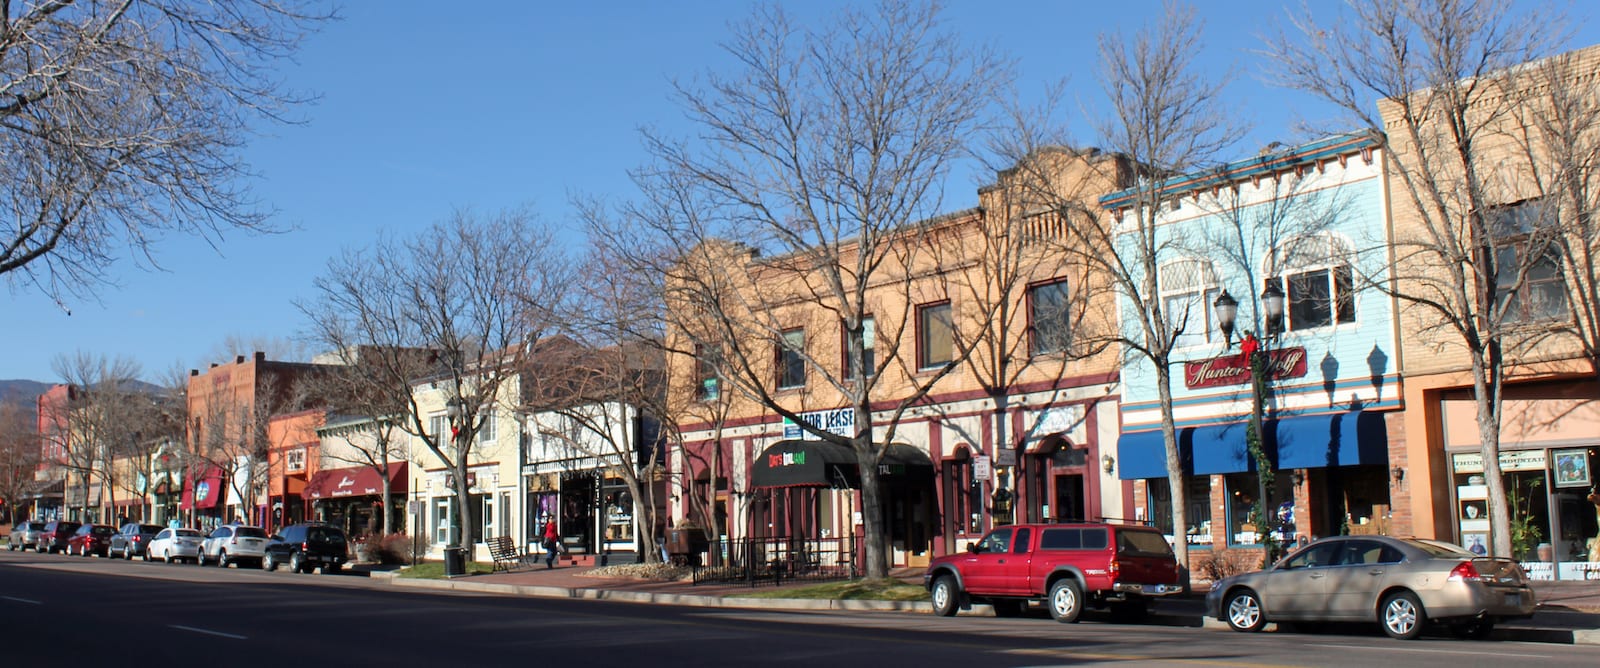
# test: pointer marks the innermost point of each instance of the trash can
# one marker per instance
(455, 561)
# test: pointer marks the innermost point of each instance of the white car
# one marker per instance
(233, 543)
(172, 545)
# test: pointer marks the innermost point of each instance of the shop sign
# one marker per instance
(1511, 460)
(980, 468)
(1282, 364)
(841, 421)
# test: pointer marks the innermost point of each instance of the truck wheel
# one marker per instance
(946, 596)
(1066, 600)
(1008, 608)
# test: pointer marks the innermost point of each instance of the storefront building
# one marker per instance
(573, 463)
(1291, 222)
(492, 475)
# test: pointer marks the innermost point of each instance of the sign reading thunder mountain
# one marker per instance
(1235, 369)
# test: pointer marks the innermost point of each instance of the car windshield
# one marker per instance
(188, 533)
(249, 532)
(325, 535)
(68, 526)
(1439, 550)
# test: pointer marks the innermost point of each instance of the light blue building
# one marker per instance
(1309, 223)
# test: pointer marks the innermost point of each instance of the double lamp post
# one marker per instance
(1258, 356)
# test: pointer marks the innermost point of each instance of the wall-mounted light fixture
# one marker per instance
(1108, 463)
(1399, 473)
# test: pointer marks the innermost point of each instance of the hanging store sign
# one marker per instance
(1283, 364)
(1513, 460)
(841, 421)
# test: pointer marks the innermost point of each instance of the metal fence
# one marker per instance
(774, 561)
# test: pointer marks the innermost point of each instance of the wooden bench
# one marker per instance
(503, 550)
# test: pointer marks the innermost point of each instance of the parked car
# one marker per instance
(172, 545)
(307, 546)
(131, 540)
(1402, 583)
(91, 539)
(232, 543)
(1069, 566)
(25, 535)
(54, 537)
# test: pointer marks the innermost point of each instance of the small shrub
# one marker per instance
(395, 548)
(1227, 563)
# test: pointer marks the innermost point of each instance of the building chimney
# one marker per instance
(261, 356)
(194, 372)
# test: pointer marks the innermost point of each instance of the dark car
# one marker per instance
(132, 539)
(55, 535)
(91, 539)
(307, 546)
(25, 535)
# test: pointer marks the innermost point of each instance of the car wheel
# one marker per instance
(1401, 616)
(296, 564)
(1066, 600)
(222, 558)
(1474, 630)
(147, 554)
(1009, 608)
(167, 557)
(268, 563)
(946, 597)
(1243, 609)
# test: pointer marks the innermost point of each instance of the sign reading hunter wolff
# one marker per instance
(1235, 369)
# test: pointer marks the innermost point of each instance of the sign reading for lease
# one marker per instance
(841, 421)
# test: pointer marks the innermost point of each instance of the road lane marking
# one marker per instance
(207, 632)
(1076, 654)
(1436, 650)
(20, 600)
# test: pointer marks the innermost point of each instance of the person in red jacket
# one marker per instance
(552, 543)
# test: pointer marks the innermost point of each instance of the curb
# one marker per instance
(1510, 633)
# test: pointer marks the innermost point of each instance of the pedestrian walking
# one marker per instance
(552, 544)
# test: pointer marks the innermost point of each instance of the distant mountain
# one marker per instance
(21, 392)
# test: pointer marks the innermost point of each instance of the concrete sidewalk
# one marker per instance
(1569, 612)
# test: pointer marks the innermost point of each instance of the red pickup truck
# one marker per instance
(1068, 566)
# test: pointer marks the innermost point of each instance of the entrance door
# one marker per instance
(1069, 497)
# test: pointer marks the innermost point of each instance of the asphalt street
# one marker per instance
(71, 610)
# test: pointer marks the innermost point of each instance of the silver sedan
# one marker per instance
(1402, 583)
(172, 545)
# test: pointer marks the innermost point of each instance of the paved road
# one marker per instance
(91, 611)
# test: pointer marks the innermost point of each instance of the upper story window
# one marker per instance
(1049, 327)
(486, 429)
(866, 341)
(1542, 293)
(295, 460)
(791, 359)
(705, 370)
(1188, 288)
(1317, 280)
(935, 336)
(437, 428)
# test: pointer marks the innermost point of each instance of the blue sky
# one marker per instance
(427, 107)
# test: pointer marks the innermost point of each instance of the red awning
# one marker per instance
(203, 492)
(354, 481)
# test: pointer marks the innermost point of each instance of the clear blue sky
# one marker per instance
(428, 106)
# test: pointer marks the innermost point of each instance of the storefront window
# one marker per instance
(1242, 489)
(1198, 488)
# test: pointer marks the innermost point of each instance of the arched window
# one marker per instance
(1188, 287)
(1315, 275)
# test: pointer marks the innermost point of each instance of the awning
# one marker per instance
(796, 463)
(1316, 441)
(354, 481)
(203, 491)
(45, 489)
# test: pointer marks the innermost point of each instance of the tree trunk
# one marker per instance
(462, 517)
(875, 553)
(1175, 480)
(1486, 389)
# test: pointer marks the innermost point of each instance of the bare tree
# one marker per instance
(1165, 117)
(101, 421)
(19, 456)
(476, 292)
(121, 124)
(824, 151)
(1441, 74)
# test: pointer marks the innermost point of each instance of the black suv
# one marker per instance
(307, 546)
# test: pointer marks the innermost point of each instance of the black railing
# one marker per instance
(775, 561)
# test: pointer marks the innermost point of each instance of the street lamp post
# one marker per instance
(1258, 357)
(455, 410)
